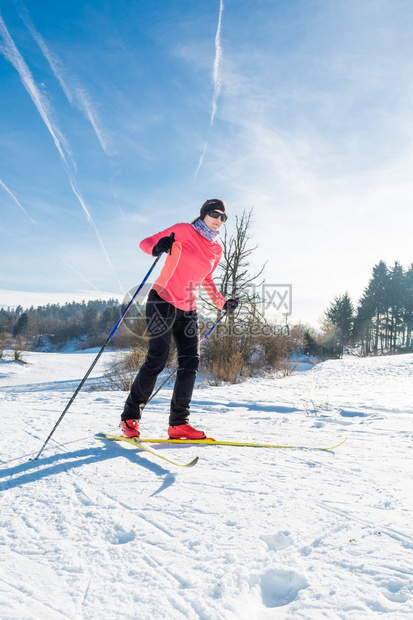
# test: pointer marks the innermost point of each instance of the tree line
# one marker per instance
(54, 326)
(382, 321)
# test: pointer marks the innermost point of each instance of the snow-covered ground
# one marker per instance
(96, 530)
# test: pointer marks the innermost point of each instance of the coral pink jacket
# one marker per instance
(191, 263)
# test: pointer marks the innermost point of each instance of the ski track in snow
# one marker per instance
(96, 530)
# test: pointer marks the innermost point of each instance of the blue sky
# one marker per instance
(119, 118)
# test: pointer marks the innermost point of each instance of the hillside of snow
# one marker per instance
(99, 530)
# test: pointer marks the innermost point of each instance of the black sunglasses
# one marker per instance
(216, 214)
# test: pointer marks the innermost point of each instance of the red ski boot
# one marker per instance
(130, 428)
(185, 431)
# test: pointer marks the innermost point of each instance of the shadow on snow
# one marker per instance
(33, 471)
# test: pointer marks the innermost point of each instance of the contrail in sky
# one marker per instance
(10, 51)
(216, 74)
(216, 80)
(92, 223)
(76, 96)
(10, 193)
(13, 55)
(79, 274)
(13, 197)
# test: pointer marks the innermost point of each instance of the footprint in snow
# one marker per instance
(119, 536)
(278, 541)
(281, 587)
(397, 590)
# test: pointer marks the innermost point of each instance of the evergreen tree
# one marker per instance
(408, 308)
(397, 302)
(90, 321)
(384, 318)
(362, 326)
(375, 303)
(340, 314)
(21, 326)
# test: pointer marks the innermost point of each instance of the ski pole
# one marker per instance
(211, 329)
(79, 387)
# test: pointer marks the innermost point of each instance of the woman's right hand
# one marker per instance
(164, 245)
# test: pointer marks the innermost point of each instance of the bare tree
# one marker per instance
(236, 279)
(226, 355)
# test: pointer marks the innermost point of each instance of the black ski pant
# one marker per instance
(164, 321)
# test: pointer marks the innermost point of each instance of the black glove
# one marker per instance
(164, 245)
(231, 305)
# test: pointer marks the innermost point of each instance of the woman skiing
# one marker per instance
(193, 254)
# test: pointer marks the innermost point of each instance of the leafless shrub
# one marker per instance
(19, 347)
(121, 372)
(236, 355)
(221, 361)
(3, 343)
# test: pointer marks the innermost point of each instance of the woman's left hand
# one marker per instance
(231, 305)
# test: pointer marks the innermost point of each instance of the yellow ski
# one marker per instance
(135, 441)
(241, 444)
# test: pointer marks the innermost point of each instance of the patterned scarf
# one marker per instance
(206, 232)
